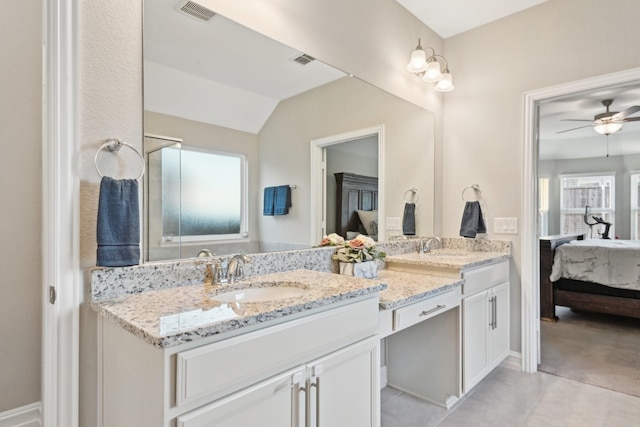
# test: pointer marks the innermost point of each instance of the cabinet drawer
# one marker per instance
(221, 368)
(485, 277)
(423, 310)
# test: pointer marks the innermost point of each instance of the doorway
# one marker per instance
(530, 214)
(320, 174)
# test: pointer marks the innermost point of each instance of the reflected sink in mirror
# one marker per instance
(262, 292)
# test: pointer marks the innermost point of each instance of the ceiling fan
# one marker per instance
(608, 122)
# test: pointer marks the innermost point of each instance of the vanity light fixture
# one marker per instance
(428, 67)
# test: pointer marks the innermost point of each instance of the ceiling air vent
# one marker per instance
(303, 59)
(195, 10)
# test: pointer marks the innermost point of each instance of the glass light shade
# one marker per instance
(607, 128)
(418, 62)
(433, 73)
(446, 84)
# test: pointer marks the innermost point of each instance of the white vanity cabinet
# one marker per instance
(485, 312)
(320, 367)
(338, 389)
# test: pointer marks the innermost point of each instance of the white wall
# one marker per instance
(20, 203)
(555, 42)
(342, 106)
(110, 105)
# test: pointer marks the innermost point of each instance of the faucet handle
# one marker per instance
(217, 272)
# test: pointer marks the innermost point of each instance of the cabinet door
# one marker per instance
(498, 344)
(272, 402)
(347, 389)
(475, 312)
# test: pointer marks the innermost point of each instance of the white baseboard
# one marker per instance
(513, 361)
(25, 416)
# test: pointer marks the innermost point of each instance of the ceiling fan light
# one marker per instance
(418, 61)
(607, 128)
(446, 84)
(433, 73)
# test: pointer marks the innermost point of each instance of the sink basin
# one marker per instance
(262, 292)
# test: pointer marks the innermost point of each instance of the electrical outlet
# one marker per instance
(394, 223)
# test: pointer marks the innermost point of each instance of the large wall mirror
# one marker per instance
(231, 114)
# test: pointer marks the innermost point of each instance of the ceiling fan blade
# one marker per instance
(575, 120)
(626, 113)
(631, 119)
(569, 130)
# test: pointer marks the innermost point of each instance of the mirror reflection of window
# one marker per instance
(210, 206)
(543, 206)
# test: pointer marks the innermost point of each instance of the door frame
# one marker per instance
(60, 214)
(318, 178)
(530, 254)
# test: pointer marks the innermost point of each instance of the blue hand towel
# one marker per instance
(409, 219)
(472, 222)
(282, 200)
(118, 223)
(269, 199)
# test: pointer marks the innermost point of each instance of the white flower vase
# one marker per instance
(366, 270)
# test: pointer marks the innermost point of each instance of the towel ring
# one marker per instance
(414, 198)
(114, 145)
(474, 187)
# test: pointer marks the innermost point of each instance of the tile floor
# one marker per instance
(509, 398)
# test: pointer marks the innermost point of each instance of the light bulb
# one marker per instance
(418, 62)
(433, 73)
(446, 84)
(607, 128)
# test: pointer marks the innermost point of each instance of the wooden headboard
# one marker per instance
(354, 192)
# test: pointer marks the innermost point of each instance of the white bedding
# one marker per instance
(614, 263)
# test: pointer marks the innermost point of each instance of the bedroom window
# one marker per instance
(635, 205)
(208, 209)
(543, 206)
(579, 191)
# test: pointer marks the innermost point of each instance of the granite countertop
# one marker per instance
(453, 259)
(406, 288)
(174, 316)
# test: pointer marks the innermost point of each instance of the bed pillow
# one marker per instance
(369, 220)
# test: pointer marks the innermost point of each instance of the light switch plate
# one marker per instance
(505, 225)
(394, 223)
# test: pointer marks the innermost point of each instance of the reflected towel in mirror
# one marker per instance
(409, 219)
(268, 201)
(282, 201)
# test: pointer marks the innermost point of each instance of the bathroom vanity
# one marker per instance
(187, 360)
(470, 326)
(301, 347)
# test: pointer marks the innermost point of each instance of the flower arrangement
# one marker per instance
(360, 249)
(332, 239)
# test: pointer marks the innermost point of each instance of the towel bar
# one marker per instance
(113, 145)
(414, 198)
(474, 187)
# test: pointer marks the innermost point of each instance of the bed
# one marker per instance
(589, 275)
(356, 205)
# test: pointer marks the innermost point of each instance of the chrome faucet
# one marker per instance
(428, 243)
(205, 253)
(235, 270)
